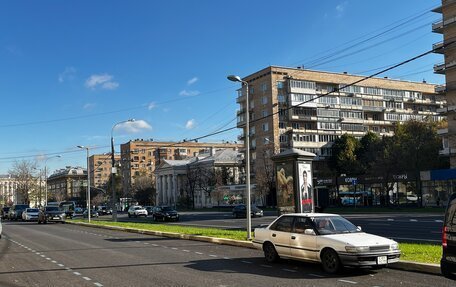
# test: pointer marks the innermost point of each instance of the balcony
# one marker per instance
(437, 47)
(442, 67)
(437, 9)
(440, 89)
(437, 27)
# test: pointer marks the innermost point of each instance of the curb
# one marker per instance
(401, 265)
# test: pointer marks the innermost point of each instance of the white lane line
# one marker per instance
(153, 244)
(145, 243)
(438, 220)
(174, 248)
(42, 255)
(227, 258)
(267, 266)
(390, 219)
(37, 253)
(316, 275)
(246, 262)
(53, 261)
(211, 255)
(87, 278)
(347, 281)
(199, 253)
(47, 258)
(185, 250)
(413, 220)
(77, 273)
(61, 265)
(98, 284)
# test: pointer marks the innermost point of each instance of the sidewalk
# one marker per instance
(401, 265)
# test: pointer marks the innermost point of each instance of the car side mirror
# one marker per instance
(359, 228)
(309, 232)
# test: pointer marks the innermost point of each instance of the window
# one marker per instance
(264, 87)
(283, 224)
(295, 126)
(350, 101)
(279, 85)
(265, 127)
(283, 139)
(264, 113)
(328, 100)
(301, 224)
(253, 143)
(281, 98)
(264, 100)
(351, 115)
(302, 84)
(302, 97)
(266, 140)
(281, 125)
(252, 130)
(327, 113)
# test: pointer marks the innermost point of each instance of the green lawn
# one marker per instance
(425, 253)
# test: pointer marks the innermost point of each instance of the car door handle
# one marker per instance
(293, 237)
(273, 235)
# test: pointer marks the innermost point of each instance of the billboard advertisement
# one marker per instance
(305, 186)
(285, 187)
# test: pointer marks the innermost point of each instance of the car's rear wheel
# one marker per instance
(270, 253)
(330, 261)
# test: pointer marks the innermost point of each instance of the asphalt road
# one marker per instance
(70, 255)
(425, 228)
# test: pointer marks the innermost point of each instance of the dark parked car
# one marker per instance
(241, 211)
(51, 214)
(448, 263)
(103, 210)
(16, 210)
(93, 213)
(165, 213)
(4, 212)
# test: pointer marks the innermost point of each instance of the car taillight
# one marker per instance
(444, 236)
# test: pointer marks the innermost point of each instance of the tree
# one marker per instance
(265, 175)
(207, 180)
(144, 190)
(192, 179)
(27, 187)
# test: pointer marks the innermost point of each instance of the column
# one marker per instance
(157, 189)
(175, 189)
(169, 189)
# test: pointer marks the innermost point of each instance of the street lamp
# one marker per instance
(89, 208)
(45, 179)
(234, 78)
(114, 171)
(39, 195)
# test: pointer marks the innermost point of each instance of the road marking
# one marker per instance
(98, 284)
(42, 255)
(247, 262)
(61, 265)
(87, 278)
(77, 273)
(438, 220)
(47, 258)
(211, 255)
(199, 253)
(347, 281)
(289, 270)
(227, 258)
(267, 266)
(53, 261)
(174, 248)
(154, 245)
(185, 250)
(390, 219)
(413, 220)
(316, 275)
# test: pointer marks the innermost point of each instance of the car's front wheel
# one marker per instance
(270, 252)
(330, 261)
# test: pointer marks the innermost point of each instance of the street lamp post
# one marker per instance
(234, 78)
(114, 171)
(89, 207)
(45, 179)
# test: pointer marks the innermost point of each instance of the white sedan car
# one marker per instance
(326, 238)
(30, 214)
(137, 210)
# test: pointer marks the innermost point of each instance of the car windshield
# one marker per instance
(138, 208)
(167, 208)
(334, 225)
(32, 210)
(52, 208)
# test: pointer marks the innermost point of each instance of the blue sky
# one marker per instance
(70, 70)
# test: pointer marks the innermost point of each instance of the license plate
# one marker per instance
(382, 260)
(56, 217)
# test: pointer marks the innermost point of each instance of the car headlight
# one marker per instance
(394, 246)
(356, 249)
(166, 213)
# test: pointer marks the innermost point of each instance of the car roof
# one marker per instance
(311, 214)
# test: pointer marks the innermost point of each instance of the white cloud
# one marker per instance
(133, 127)
(340, 9)
(190, 124)
(89, 106)
(68, 74)
(192, 81)
(103, 80)
(186, 93)
(151, 106)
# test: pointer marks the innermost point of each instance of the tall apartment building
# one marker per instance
(69, 183)
(140, 157)
(100, 169)
(447, 27)
(286, 113)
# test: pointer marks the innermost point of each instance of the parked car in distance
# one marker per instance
(103, 210)
(165, 213)
(326, 238)
(51, 214)
(78, 212)
(93, 213)
(241, 211)
(4, 212)
(30, 214)
(448, 263)
(137, 210)
(16, 210)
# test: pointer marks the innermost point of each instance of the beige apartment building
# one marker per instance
(100, 169)
(447, 47)
(308, 110)
(140, 157)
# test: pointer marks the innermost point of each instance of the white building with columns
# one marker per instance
(173, 180)
(8, 186)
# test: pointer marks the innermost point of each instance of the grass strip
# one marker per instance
(424, 253)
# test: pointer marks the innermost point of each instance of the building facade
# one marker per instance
(8, 186)
(308, 110)
(212, 179)
(140, 157)
(100, 170)
(69, 183)
(447, 47)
